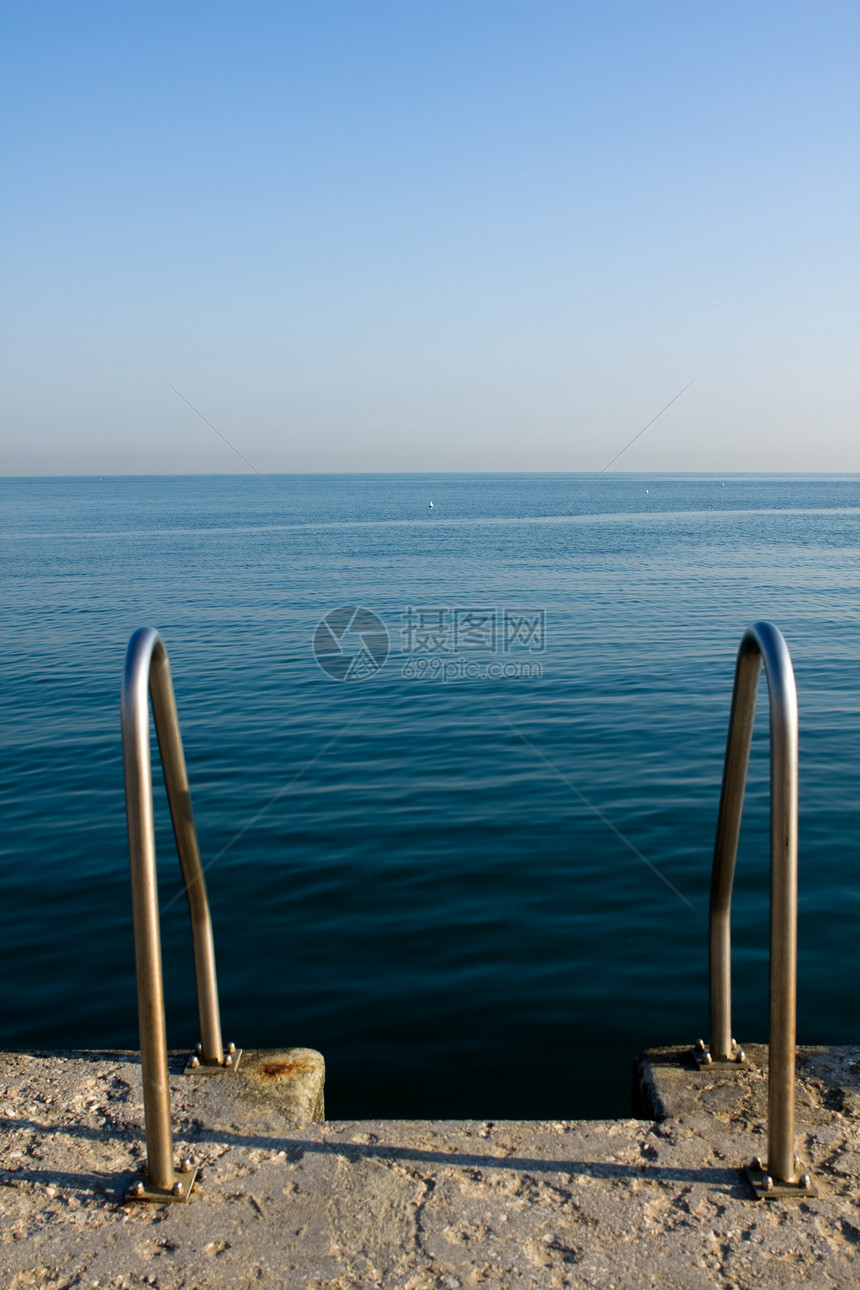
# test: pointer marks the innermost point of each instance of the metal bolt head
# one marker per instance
(178, 1189)
(198, 1048)
(231, 1048)
(186, 1166)
(700, 1044)
(805, 1182)
(741, 1055)
(228, 1060)
(708, 1059)
(136, 1189)
(767, 1183)
(194, 1063)
(756, 1162)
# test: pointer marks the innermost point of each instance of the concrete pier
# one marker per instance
(286, 1201)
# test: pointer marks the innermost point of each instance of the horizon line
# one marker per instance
(341, 474)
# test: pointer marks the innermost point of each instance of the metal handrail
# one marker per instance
(147, 669)
(762, 641)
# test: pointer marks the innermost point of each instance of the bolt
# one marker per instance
(708, 1059)
(805, 1182)
(178, 1189)
(767, 1183)
(198, 1048)
(228, 1060)
(231, 1048)
(194, 1063)
(734, 1043)
(186, 1166)
(741, 1055)
(700, 1044)
(136, 1189)
(756, 1162)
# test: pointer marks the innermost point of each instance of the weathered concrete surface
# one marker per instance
(414, 1205)
(281, 1084)
(668, 1085)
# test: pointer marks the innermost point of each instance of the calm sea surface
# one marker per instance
(413, 876)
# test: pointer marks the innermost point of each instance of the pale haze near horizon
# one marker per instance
(429, 237)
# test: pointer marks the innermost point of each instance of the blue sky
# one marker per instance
(429, 236)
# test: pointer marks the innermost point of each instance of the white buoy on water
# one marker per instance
(431, 506)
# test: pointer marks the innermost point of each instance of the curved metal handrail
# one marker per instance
(762, 641)
(147, 669)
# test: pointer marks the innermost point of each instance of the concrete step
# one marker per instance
(285, 1201)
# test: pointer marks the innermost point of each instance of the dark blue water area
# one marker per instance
(466, 875)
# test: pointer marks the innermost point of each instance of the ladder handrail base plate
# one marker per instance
(755, 1175)
(213, 1068)
(705, 1062)
(162, 1195)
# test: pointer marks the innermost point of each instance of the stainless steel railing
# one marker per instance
(147, 669)
(762, 641)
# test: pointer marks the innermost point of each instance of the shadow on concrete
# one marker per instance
(112, 1185)
(296, 1148)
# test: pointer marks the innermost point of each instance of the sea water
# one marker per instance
(459, 841)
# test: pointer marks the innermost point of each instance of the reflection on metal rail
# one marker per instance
(783, 1174)
(147, 668)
